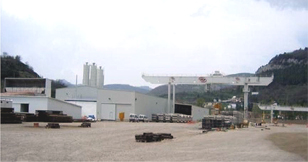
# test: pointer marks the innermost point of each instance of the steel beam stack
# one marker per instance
(9, 117)
(53, 116)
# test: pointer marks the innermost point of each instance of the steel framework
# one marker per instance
(216, 78)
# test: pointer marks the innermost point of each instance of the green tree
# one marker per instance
(200, 102)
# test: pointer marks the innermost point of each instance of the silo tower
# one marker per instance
(86, 70)
(100, 77)
(93, 76)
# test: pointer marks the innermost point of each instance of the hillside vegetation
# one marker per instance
(13, 67)
(290, 79)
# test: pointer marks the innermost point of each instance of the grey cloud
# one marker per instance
(294, 4)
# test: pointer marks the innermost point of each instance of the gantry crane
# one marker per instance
(215, 78)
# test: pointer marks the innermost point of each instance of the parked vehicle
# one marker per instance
(143, 118)
(133, 118)
(91, 118)
(146, 119)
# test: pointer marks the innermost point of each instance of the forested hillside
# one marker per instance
(290, 79)
(13, 67)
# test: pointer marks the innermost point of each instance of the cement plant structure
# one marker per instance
(93, 76)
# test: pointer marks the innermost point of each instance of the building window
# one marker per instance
(24, 107)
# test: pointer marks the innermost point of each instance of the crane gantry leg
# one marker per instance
(168, 107)
(246, 91)
(173, 102)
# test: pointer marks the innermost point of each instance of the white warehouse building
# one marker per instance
(31, 94)
(29, 104)
(107, 104)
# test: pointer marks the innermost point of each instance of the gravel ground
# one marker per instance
(115, 141)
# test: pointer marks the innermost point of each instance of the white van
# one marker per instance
(133, 117)
(143, 118)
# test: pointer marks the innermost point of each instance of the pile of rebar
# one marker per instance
(9, 117)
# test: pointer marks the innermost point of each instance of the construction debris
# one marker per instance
(152, 137)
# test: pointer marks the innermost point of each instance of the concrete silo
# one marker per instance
(100, 77)
(86, 70)
(93, 75)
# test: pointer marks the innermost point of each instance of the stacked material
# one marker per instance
(154, 118)
(53, 116)
(239, 116)
(168, 118)
(9, 117)
(27, 117)
(172, 118)
(161, 117)
(215, 121)
(227, 113)
(52, 125)
(152, 137)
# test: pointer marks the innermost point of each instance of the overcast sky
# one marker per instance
(128, 37)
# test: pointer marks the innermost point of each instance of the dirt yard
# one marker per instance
(115, 141)
(296, 143)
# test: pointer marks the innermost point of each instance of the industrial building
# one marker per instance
(107, 104)
(31, 94)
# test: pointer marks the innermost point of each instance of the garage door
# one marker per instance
(88, 108)
(126, 109)
(108, 112)
(182, 109)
